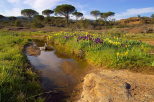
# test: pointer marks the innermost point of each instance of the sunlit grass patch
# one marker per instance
(17, 81)
(101, 50)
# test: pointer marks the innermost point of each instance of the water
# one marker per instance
(58, 73)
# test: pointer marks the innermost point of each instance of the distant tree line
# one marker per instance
(31, 18)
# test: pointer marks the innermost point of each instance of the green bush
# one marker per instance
(18, 23)
(38, 25)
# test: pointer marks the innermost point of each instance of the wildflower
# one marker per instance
(49, 37)
(116, 43)
(98, 40)
(118, 53)
(86, 33)
(107, 39)
(126, 53)
(110, 41)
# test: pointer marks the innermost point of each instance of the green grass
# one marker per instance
(115, 52)
(17, 81)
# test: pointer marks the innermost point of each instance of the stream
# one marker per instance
(57, 72)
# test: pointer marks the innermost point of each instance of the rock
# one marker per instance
(117, 86)
(33, 50)
(49, 48)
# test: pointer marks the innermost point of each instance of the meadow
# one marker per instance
(17, 80)
(65, 36)
(106, 50)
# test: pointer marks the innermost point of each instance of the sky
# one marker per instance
(122, 8)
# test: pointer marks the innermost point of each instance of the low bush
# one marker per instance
(38, 25)
(18, 23)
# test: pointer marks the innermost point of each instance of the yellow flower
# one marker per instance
(49, 37)
(107, 39)
(110, 41)
(122, 54)
(118, 53)
(117, 43)
(86, 33)
(126, 53)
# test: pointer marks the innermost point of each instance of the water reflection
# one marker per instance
(57, 72)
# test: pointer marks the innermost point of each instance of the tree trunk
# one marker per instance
(67, 20)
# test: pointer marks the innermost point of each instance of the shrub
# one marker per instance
(18, 23)
(38, 25)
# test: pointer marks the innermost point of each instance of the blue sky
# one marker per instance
(122, 8)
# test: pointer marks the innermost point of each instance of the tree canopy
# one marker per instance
(65, 10)
(152, 16)
(95, 13)
(1, 17)
(105, 15)
(38, 17)
(47, 12)
(29, 13)
(78, 15)
(12, 18)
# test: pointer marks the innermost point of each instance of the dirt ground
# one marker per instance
(117, 86)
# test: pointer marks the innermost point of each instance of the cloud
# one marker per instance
(128, 13)
(12, 12)
(84, 8)
(18, 5)
(41, 4)
(134, 12)
(87, 15)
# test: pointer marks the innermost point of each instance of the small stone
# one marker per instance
(127, 85)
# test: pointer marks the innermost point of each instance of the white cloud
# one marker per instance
(87, 15)
(37, 5)
(81, 8)
(12, 12)
(134, 12)
(41, 4)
